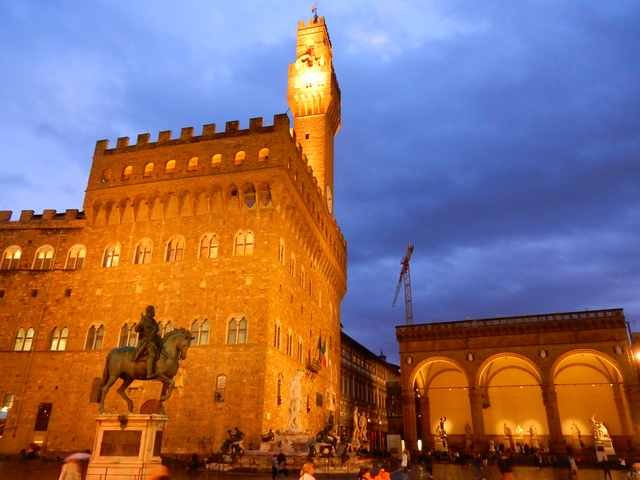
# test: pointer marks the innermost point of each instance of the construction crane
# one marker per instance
(405, 279)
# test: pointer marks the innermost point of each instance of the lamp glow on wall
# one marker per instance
(310, 79)
(419, 444)
(636, 355)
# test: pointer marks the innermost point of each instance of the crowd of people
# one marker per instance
(503, 459)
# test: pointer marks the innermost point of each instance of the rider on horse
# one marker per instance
(150, 342)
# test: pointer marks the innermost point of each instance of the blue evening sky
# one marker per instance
(501, 137)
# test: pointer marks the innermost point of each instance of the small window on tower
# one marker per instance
(263, 154)
(306, 136)
(170, 166)
(240, 157)
(193, 164)
(127, 172)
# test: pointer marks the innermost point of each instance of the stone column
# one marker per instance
(409, 418)
(477, 420)
(550, 400)
(633, 400)
(618, 397)
(425, 407)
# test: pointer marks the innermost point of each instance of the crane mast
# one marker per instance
(405, 281)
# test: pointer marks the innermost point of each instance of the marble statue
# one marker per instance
(295, 403)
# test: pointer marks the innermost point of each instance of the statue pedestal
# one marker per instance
(126, 446)
(440, 444)
(604, 449)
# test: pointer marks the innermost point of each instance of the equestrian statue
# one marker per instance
(155, 358)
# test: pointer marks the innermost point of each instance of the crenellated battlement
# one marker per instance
(207, 132)
(314, 21)
(29, 217)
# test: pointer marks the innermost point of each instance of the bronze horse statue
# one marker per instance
(120, 364)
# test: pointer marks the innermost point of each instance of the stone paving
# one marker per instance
(38, 470)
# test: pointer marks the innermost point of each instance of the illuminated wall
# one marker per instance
(448, 397)
(588, 376)
(515, 397)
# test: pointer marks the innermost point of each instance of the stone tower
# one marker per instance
(314, 100)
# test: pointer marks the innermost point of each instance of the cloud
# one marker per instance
(500, 138)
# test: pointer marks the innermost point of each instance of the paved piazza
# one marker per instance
(36, 470)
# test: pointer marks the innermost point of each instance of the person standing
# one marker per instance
(308, 469)
(505, 465)
(274, 467)
(404, 461)
(573, 466)
(71, 470)
(606, 469)
(282, 465)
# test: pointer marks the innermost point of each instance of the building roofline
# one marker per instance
(585, 319)
(367, 351)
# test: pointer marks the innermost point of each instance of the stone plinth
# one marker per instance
(126, 446)
(604, 449)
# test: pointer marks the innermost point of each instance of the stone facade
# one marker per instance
(534, 379)
(218, 226)
(371, 384)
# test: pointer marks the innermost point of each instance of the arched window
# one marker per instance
(221, 385)
(127, 172)
(128, 336)
(24, 340)
(170, 166)
(237, 331)
(290, 343)
(204, 332)
(148, 169)
(234, 195)
(75, 257)
(279, 389)
(292, 265)
(59, 339)
(249, 195)
(276, 335)
(329, 196)
(142, 254)
(175, 250)
(216, 159)
(240, 157)
(209, 246)
(11, 258)
(263, 154)
(192, 164)
(111, 256)
(265, 195)
(245, 241)
(94, 338)
(43, 259)
(300, 350)
(19, 342)
(200, 332)
(281, 251)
